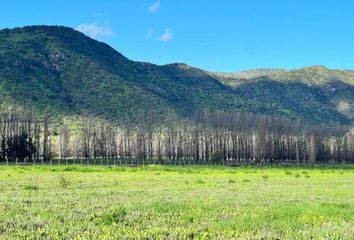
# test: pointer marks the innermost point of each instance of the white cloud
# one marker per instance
(167, 36)
(154, 7)
(150, 33)
(94, 30)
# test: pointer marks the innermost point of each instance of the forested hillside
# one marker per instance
(65, 71)
(61, 71)
(307, 90)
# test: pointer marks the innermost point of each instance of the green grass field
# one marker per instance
(160, 202)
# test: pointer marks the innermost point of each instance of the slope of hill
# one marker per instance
(314, 75)
(249, 73)
(64, 71)
(299, 89)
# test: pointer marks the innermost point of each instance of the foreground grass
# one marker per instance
(159, 202)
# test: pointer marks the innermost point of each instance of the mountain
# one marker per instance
(314, 76)
(61, 70)
(302, 89)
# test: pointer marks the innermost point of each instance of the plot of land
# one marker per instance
(160, 202)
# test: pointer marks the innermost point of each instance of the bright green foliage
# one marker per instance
(159, 202)
(64, 182)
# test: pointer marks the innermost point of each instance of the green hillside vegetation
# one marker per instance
(329, 92)
(314, 75)
(61, 70)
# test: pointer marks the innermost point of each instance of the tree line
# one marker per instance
(211, 137)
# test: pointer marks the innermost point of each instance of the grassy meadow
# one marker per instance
(163, 202)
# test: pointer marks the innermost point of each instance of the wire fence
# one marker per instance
(171, 162)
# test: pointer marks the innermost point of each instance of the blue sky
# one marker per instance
(223, 35)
